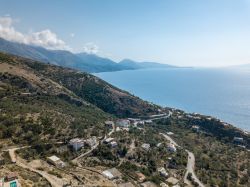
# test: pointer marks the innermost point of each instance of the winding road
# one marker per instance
(190, 164)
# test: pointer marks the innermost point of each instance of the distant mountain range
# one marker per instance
(81, 61)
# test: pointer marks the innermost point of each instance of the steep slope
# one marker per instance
(75, 86)
(36, 108)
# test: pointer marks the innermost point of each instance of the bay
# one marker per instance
(222, 93)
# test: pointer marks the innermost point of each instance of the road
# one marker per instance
(86, 153)
(190, 163)
(190, 169)
(169, 139)
(162, 117)
(53, 180)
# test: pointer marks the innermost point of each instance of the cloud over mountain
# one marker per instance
(90, 48)
(45, 38)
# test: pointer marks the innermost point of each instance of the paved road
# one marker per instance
(53, 180)
(162, 117)
(190, 163)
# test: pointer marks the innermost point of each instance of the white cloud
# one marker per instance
(72, 35)
(47, 39)
(44, 38)
(91, 48)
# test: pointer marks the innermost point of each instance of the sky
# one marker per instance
(178, 32)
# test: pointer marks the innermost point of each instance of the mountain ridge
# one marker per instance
(82, 61)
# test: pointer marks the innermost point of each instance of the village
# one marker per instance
(59, 171)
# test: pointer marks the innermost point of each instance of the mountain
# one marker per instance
(127, 63)
(82, 61)
(58, 57)
(101, 64)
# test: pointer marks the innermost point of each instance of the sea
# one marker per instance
(223, 93)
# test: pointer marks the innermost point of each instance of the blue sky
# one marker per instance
(179, 32)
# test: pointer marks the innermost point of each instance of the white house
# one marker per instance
(146, 146)
(113, 144)
(162, 172)
(56, 161)
(238, 140)
(123, 122)
(171, 147)
(76, 143)
(112, 173)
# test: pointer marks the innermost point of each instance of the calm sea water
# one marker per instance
(222, 93)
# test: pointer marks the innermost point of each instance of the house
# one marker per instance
(146, 146)
(170, 133)
(171, 148)
(76, 143)
(141, 122)
(123, 122)
(159, 145)
(148, 184)
(141, 177)
(118, 129)
(56, 161)
(162, 184)
(148, 121)
(127, 184)
(108, 140)
(112, 174)
(113, 144)
(10, 180)
(91, 141)
(109, 124)
(238, 140)
(162, 172)
(196, 128)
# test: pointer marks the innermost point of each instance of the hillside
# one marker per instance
(43, 107)
(49, 94)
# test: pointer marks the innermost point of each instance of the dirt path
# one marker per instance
(190, 169)
(190, 164)
(53, 180)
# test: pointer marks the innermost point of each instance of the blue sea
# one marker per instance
(222, 93)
